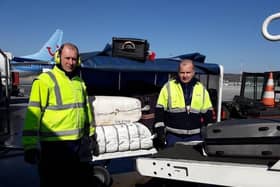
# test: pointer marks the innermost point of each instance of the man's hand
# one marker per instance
(159, 141)
(94, 145)
(32, 156)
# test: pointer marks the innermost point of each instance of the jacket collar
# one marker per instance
(60, 71)
(191, 83)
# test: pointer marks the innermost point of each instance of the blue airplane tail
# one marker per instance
(46, 53)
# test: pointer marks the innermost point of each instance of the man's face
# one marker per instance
(69, 59)
(186, 72)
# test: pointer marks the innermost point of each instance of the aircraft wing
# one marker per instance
(33, 62)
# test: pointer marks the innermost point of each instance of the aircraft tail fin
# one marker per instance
(46, 53)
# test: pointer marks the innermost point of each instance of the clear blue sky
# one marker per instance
(228, 32)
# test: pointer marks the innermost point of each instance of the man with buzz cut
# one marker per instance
(183, 107)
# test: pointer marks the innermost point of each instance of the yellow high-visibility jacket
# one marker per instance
(172, 112)
(58, 109)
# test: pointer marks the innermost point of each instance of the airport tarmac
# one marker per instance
(16, 173)
(229, 92)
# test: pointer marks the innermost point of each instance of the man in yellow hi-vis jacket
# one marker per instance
(58, 134)
(183, 107)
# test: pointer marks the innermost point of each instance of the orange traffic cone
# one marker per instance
(268, 95)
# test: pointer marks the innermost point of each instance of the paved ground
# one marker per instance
(15, 172)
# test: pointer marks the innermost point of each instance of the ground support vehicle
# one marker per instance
(187, 163)
(5, 91)
(107, 75)
(248, 104)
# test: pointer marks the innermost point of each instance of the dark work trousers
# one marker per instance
(60, 165)
(171, 138)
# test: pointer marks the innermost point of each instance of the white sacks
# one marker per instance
(117, 128)
(109, 110)
(123, 137)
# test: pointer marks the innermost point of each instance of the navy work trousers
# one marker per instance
(171, 138)
(60, 165)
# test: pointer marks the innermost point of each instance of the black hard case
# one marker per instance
(245, 138)
(132, 48)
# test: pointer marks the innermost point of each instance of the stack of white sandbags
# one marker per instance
(117, 128)
(109, 110)
(123, 137)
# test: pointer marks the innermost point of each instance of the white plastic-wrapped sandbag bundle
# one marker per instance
(146, 142)
(111, 136)
(123, 137)
(134, 136)
(109, 110)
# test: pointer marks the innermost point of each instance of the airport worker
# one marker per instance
(58, 134)
(182, 108)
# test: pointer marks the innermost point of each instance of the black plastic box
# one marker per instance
(132, 48)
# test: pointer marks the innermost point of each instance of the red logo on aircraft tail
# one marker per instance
(50, 50)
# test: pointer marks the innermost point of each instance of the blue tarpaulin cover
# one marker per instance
(105, 62)
(105, 74)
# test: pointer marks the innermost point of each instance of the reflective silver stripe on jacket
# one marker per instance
(56, 88)
(192, 110)
(66, 106)
(169, 96)
(52, 134)
(59, 105)
(159, 106)
(182, 131)
(203, 98)
(159, 124)
(34, 104)
(176, 110)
